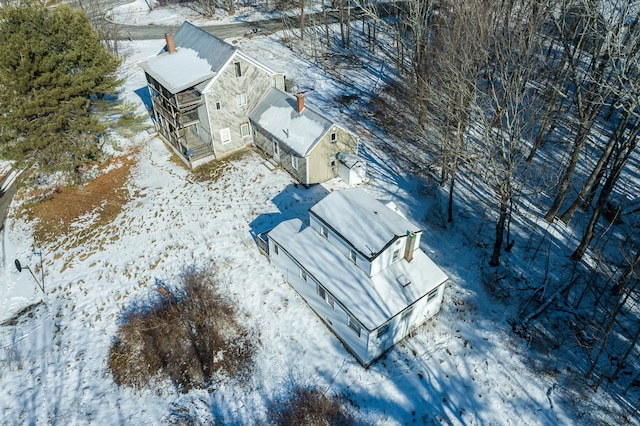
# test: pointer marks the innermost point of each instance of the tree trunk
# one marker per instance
(302, 19)
(616, 169)
(578, 144)
(450, 202)
(623, 359)
(326, 24)
(596, 173)
(504, 193)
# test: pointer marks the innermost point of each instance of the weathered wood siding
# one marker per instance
(264, 141)
(254, 83)
(320, 169)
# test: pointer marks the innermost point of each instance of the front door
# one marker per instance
(276, 150)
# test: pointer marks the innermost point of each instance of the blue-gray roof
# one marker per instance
(300, 132)
(199, 56)
(209, 47)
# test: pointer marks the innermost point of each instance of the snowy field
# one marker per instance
(464, 367)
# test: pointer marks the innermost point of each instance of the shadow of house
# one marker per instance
(145, 97)
(293, 202)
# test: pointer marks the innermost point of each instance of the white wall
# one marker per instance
(336, 318)
(399, 328)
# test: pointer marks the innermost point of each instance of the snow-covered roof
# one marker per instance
(179, 70)
(361, 220)
(371, 300)
(215, 51)
(349, 160)
(300, 132)
(199, 56)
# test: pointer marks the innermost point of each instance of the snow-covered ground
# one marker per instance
(465, 367)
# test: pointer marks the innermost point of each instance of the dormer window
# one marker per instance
(238, 69)
(352, 256)
(324, 231)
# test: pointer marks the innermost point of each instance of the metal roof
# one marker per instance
(209, 47)
(276, 113)
(199, 56)
(364, 222)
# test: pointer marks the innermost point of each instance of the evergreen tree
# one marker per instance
(55, 77)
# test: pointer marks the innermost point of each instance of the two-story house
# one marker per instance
(202, 90)
(359, 266)
(210, 99)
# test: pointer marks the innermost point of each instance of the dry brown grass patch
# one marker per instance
(214, 170)
(311, 407)
(191, 335)
(102, 198)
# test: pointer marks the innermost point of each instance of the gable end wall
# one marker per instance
(254, 82)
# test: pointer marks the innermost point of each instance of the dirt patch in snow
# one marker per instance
(98, 202)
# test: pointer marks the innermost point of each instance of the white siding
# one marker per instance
(336, 318)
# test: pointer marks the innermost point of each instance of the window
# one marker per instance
(218, 105)
(322, 292)
(238, 69)
(407, 313)
(324, 231)
(432, 295)
(330, 300)
(334, 137)
(303, 274)
(354, 325)
(241, 99)
(225, 136)
(275, 249)
(384, 329)
(294, 162)
(244, 130)
(352, 256)
(326, 296)
(396, 255)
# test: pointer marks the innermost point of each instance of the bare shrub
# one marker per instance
(189, 334)
(309, 406)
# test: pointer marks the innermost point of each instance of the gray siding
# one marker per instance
(254, 82)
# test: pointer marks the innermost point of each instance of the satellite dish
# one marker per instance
(18, 265)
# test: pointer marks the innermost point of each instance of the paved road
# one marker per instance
(5, 200)
(236, 29)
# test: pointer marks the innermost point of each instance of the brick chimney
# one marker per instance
(299, 102)
(171, 45)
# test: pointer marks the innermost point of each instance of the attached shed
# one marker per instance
(351, 169)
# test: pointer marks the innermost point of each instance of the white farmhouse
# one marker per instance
(359, 266)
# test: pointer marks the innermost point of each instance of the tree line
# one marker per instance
(536, 96)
